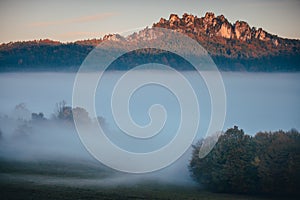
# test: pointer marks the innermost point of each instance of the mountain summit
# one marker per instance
(213, 26)
(218, 29)
(233, 46)
(237, 46)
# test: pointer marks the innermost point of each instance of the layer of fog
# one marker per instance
(255, 102)
(55, 146)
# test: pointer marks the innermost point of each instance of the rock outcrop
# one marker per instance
(215, 26)
(113, 37)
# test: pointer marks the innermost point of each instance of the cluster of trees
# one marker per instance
(267, 163)
(66, 113)
(24, 122)
(284, 62)
(63, 112)
(150, 55)
(37, 56)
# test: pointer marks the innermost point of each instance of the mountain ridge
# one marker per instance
(232, 46)
(218, 27)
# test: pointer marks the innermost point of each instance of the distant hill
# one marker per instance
(233, 47)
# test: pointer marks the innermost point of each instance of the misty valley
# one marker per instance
(149, 100)
(40, 147)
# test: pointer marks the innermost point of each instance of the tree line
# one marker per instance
(33, 56)
(267, 163)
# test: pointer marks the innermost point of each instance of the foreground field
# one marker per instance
(34, 191)
(56, 180)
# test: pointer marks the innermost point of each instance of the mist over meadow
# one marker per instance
(255, 102)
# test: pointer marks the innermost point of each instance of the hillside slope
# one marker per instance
(233, 47)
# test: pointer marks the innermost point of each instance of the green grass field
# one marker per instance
(57, 180)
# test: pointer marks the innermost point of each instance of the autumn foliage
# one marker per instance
(268, 163)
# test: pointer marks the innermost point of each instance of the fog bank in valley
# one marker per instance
(255, 102)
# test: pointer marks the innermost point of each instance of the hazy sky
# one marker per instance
(78, 19)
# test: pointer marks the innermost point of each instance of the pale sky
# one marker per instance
(78, 19)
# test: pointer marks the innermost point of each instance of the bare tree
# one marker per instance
(59, 107)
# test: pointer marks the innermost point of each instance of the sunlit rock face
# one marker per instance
(212, 26)
(174, 20)
(225, 31)
(242, 30)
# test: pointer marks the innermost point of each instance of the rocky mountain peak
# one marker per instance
(113, 37)
(215, 26)
(189, 20)
(209, 16)
(174, 20)
(242, 30)
(143, 35)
